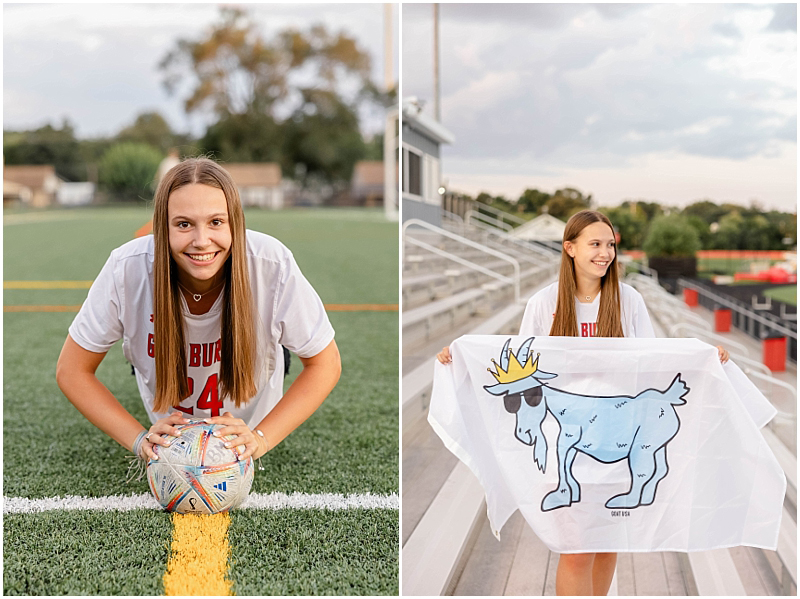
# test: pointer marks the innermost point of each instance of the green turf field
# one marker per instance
(786, 294)
(350, 445)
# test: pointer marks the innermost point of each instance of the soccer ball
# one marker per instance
(197, 474)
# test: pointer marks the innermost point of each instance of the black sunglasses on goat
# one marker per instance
(513, 401)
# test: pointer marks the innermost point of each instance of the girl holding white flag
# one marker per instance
(587, 301)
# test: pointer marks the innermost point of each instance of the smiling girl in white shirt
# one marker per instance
(203, 307)
(587, 301)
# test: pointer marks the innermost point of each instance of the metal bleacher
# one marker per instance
(447, 546)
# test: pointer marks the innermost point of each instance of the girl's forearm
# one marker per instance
(100, 407)
(317, 379)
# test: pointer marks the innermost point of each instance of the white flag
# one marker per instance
(610, 444)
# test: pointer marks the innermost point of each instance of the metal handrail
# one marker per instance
(649, 272)
(674, 305)
(425, 225)
(532, 259)
(459, 259)
(729, 342)
(750, 367)
(452, 216)
(664, 296)
(458, 222)
(510, 238)
(736, 308)
(787, 315)
(473, 215)
(749, 364)
(503, 213)
(779, 383)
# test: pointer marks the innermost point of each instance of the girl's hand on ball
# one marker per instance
(246, 443)
(164, 426)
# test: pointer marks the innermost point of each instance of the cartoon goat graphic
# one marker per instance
(609, 429)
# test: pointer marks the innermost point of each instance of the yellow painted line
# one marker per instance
(198, 563)
(47, 284)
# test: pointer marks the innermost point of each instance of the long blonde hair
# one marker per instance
(565, 322)
(237, 328)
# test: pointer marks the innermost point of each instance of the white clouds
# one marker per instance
(97, 63)
(570, 88)
(705, 126)
(493, 88)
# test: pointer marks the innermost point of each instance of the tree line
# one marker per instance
(272, 100)
(665, 230)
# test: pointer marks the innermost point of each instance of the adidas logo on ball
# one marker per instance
(198, 474)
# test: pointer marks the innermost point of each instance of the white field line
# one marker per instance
(259, 501)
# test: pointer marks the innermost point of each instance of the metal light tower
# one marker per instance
(390, 204)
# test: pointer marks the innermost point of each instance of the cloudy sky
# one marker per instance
(96, 64)
(661, 102)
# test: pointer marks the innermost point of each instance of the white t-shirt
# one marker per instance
(540, 311)
(289, 313)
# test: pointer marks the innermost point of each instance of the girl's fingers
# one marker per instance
(224, 420)
(444, 356)
(157, 439)
(249, 449)
(723, 354)
(231, 429)
(177, 418)
(164, 429)
(148, 450)
(240, 439)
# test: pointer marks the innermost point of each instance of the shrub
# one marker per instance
(128, 170)
(671, 236)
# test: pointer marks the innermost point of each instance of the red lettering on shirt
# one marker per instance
(588, 329)
(209, 397)
(208, 354)
(194, 355)
(205, 354)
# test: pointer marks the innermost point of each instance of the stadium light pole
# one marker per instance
(390, 204)
(436, 88)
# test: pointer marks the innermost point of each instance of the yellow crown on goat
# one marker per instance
(516, 371)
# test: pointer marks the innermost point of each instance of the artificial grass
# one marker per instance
(85, 553)
(350, 256)
(355, 430)
(350, 445)
(67, 245)
(786, 294)
(314, 552)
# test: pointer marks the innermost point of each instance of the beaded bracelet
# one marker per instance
(137, 444)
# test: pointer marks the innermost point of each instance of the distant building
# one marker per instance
(366, 186)
(422, 171)
(14, 193)
(259, 183)
(34, 185)
(75, 194)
